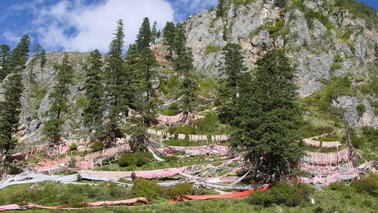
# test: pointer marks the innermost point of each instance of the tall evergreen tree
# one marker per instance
(94, 91)
(169, 32)
(268, 116)
(233, 71)
(43, 58)
(116, 105)
(221, 8)
(10, 107)
(4, 61)
(144, 37)
(154, 33)
(59, 101)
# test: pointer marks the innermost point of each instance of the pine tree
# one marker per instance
(268, 116)
(4, 61)
(94, 91)
(10, 107)
(144, 36)
(169, 33)
(59, 101)
(233, 71)
(154, 33)
(220, 8)
(184, 60)
(43, 58)
(116, 105)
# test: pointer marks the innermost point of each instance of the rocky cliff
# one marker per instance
(322, 41)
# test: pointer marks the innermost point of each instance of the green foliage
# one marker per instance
(10, 106)
(359, 9)
(146, 188)
(177, 190)
(134, 159)
(188, 90)
(233, 70)
(115, 88)
(97, 146)
(345, 35)
(358, 141)
(59, 101)
(169, 33)
(310, 15)
(4, 61)
(221, 8)
(361, 109)
(334, 87)
(267, 118)
(212, 49)
(335, 66)
(73, 146)
(93, 91)
(367, 185)
(280, 3)
(282, 193)
(52, 193)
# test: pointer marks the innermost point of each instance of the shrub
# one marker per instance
(280, 3)
(146, 188)
(282, 193)
(212, 49)
(73, 146)
(178, 190)
(367, 184)
(134, 159)
(358, 141)
(361, 109)
(97, 146)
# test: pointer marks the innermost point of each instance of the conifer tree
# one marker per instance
(43, 58)
(4, 61)
(94, 91)
(154, 33)
(169, 32)
(116, 105)
(233, 71)
(268, 116)
(220, 8)
(10, 107)
(59, 101)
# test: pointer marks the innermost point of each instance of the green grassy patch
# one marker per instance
(212, 49)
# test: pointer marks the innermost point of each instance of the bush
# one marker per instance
(178, 190)
(134, 159)
(97, 146)
(358, 141)
(212, 49)
(367, 184)
(280, 3)
(282, 193)
(73, 146)
(146, 188)
(361, 109)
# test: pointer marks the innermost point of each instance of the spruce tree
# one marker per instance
(43, 58)
(144, 36)
(169, 33)
(116, 105)
(4, 61)
(10, 107)
(59, 101)
(154, 33)
(93, 91)
(233, 71)
(268, 117)
(221, 8)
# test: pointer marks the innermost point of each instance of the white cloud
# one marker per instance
(73, 26)
(184, 8)
(11, 37)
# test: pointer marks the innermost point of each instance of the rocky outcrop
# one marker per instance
(38, 83)
(336, 45)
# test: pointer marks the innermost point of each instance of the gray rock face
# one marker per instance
(313, 47)
(349, 108)
(38, 83)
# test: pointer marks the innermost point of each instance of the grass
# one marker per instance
(212, 49)
(341, 198)
(169, 162)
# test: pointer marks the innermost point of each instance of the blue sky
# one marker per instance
(83, 25)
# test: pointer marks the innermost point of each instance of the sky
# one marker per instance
(85, 25)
